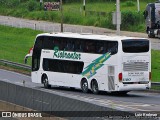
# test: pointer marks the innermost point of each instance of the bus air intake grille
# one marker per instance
(111, 85)
(111, 78)
(136, 66)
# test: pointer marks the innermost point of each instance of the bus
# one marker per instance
(91, 62)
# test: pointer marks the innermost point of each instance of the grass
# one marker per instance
(108, 6)
(15, 69)
(73, 13)
(155, 65)
(15, 43)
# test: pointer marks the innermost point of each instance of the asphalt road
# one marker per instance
(134, 101)
(55, 27)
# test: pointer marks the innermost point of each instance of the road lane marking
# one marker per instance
(110, 103)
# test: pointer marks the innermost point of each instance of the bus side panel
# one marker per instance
(60, 78)
(107, 75)
(102, 83)
(74, 80)
(65, 79)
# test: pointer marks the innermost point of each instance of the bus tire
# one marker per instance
(45, 82)
(84, 85)
(94, 87)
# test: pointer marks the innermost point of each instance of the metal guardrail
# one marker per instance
(155, 85)
(15, 64)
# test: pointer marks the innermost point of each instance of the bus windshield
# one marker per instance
(135, 46)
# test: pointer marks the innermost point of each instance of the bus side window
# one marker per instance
(100, 48)
(82, 46)
(63, 45)
(70, 45)
(107, 47)
(115, 50)
(86, 49)
(50, 43)
(112, 47)
(56, 43)
(92, 47)
(78, 46)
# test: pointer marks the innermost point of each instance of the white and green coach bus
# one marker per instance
(92, 62)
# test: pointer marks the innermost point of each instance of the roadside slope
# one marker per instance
(55, 27)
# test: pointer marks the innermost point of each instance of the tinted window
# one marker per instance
(135, 46)
(36, 54)
(106, 46)
(39, 43)
(77, 45)
(47, 43)
(63, 66)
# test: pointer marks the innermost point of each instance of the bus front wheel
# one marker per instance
(45, 82)
(84, 86)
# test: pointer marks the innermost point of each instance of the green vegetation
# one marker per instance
(16, 42)
(155, 65)
(98, 13)
(15, 69)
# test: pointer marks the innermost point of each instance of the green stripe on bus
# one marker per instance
(96, 64)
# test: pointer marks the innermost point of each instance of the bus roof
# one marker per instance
(89, 36)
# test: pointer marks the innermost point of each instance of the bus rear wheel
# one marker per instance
(94, 86)
(84, 86)
(45, 82)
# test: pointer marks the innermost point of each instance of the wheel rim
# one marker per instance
(85, 86)
(45, 82)
(95, 87)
